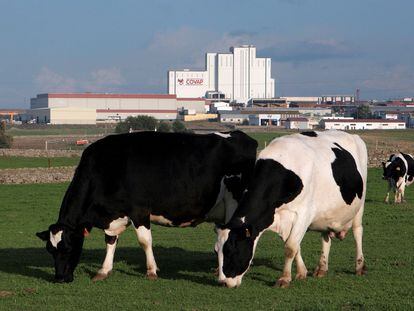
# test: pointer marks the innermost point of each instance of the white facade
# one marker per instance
(240, 75)
(374, 124)
(88, 108)
(297, 124)
(264, 119)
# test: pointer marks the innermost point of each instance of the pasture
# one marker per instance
(186, 260)
(30, 162)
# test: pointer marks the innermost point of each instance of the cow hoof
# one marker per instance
(100, 277)
(319, 273)
(282, 283)
(151, 276)
(362, 271)
(301, 276)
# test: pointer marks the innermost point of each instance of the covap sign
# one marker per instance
(190, 81)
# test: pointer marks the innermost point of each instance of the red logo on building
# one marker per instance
(191, 81)
(194, 81)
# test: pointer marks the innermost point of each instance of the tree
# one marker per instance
(137, 123)
(5, 140)
(362, 112)
(178, 126)
(164, 127)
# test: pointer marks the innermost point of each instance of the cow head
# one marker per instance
(236, 248)
(65, 245)
(394, 170)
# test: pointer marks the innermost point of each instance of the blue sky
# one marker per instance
(317, 46)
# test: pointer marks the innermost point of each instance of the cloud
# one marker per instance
(104, 79)
(309, 51)
(50, 81)
(398, 79)
(100, 80)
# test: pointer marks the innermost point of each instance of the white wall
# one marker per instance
(239, 75)
(364, 125)
(225, 74)
(188, 83)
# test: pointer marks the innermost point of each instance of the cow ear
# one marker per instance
(44, 235)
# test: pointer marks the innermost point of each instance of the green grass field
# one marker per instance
(36, 130)
(186, 259)
(20, 162)
(370, 137)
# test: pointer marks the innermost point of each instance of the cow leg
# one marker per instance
(402, 196)
(301, 271)
(322, 267)
(145, 240)
(292, 247)
(358, 230)
(291, 250)
(387, 197)
(103, 273)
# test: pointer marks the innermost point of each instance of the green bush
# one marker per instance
(137, 123)
(5, 140)
(178, 127)
(164, 127)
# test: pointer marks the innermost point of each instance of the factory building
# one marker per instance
(90, 108)
(363, 124)
(239, 75)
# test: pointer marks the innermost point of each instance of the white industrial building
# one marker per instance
(297, 123)
(90, 108)
(363, 124)
(239, 75)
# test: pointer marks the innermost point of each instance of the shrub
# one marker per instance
(5, 140)
(164, 127)
(178, 127)
(137, 123)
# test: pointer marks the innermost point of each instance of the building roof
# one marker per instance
(363, 121)
(298, 119)
(258, 111)
(191, 99)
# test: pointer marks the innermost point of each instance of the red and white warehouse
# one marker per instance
(90, 108)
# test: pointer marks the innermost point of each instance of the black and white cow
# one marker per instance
(310, 181)
(170, 179)
(399, 172)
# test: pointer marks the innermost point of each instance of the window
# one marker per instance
(369, 124)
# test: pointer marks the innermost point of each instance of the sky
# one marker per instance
(318, 47)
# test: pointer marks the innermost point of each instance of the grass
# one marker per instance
(40, 130)
(186, 259)
(371, 137)
(28, 162)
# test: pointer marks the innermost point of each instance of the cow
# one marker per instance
(399, 172)
(172, 179)
(309, 181)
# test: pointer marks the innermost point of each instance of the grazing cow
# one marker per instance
(309, 181)
(170, 179)
(399, 172)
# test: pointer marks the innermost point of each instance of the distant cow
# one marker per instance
(171, 179)
(310, 181)
(399, 172)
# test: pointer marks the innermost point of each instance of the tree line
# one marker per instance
(147, 123)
